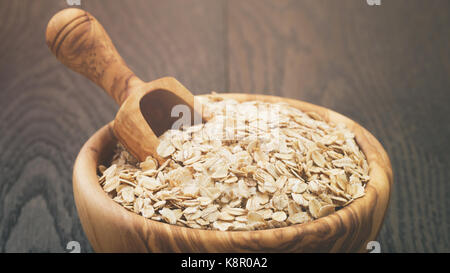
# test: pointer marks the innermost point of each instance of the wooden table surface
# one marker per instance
(387, 67)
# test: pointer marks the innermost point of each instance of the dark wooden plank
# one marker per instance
(386, 67)
(48, 112)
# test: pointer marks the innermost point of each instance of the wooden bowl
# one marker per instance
(111, 228)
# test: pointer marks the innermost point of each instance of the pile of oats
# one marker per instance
(253, 165)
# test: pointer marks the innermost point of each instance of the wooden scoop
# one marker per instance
(79, 41)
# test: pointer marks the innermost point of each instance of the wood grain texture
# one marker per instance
(385, 67)
(347, 230)
(48, 112)
(81, 43)
(147, 114)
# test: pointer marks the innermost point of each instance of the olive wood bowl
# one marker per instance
(111, 228)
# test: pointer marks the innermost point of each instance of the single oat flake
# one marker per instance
(252, 166)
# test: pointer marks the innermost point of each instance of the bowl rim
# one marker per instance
(380, 172)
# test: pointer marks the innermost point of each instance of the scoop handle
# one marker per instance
(80, 42)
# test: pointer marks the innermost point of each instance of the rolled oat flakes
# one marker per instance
(253, 165)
